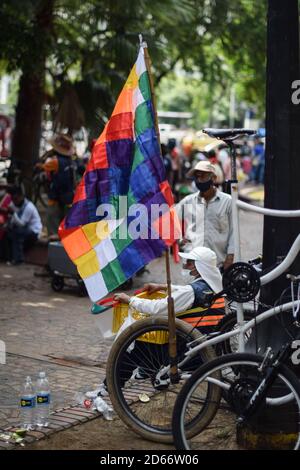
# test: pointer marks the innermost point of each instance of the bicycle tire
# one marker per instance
(153, 423)
(184, 442)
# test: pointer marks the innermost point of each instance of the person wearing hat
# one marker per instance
(60, 169)
(206, 216)
(206, 279)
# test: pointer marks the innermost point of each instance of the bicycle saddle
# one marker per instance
(228, 133)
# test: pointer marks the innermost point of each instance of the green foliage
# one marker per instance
(229, 50)
(91, 46)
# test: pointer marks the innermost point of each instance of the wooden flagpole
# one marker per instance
(174, 377)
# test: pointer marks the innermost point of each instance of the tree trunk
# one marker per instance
(27, 132)
(28, 119)
(282, 170)
(282, 191)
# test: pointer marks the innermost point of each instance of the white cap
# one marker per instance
(206, 265)
(42, 375)
(204, 165)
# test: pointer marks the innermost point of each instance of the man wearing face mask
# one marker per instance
(206, 216)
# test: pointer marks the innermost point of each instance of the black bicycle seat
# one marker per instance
(224, 134)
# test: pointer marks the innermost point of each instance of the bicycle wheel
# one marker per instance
(135, 367)
(276, 423)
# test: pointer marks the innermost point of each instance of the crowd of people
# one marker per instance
(179, 158)
(20, 221)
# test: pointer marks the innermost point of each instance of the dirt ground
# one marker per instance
(97, 434)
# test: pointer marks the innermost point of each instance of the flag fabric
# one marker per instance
(126, 161)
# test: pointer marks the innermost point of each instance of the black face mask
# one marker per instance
(203, 187)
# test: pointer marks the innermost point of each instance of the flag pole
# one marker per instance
(174, 377)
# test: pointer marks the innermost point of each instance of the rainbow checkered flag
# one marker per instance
(122, 216)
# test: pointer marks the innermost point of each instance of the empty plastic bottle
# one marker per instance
(42, 401)
(27, 405)
(103, 408)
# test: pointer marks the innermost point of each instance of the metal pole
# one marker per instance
(236, 235)
(174, 377)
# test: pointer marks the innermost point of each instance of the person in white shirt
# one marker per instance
(201, 263)
(206, 216)
(24, 225)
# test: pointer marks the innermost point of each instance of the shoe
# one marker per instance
(139, 374)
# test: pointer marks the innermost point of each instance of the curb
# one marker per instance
(60, 419)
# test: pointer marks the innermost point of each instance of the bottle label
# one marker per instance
(43, 399)
(27, 402)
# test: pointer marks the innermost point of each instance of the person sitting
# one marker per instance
(201, 264)
(24, 226)
(5, 200)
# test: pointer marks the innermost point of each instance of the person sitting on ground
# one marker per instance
(24, 226)
(201, 263)
(5, 200)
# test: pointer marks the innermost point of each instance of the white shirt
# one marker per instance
(208, 223)
(29, 217)
(183, 300)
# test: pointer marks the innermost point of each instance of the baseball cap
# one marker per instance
(202, 166)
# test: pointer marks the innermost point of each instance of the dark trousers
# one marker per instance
(20, 238)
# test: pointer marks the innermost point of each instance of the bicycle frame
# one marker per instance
(236, 205)
(267, 278)
(241, 330)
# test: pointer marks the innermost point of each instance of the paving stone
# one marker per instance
(56, 426)
(83, 410)
(71, 417)
(36, 434)
(82, 414)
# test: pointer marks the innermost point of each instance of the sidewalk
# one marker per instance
(51, 332)
(55, 333)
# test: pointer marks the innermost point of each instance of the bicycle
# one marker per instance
(243, 284)
(253, 390)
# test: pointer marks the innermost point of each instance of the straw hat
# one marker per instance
(63, 144)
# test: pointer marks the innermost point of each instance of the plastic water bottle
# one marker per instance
(103, 408)
(27, 405)
(42, 401)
